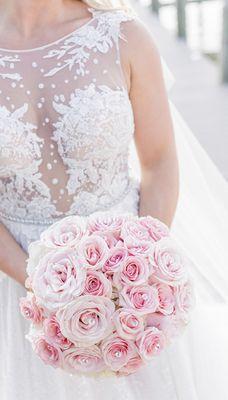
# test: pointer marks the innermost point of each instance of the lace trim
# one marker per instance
(52, 220)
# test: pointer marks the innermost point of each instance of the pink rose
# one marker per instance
(93, 251)
(133, 271)
(64, 233)
(30, 309)
(185, 300)
(115, 259)
(83, 359)
(117, 351)
(86, 320)
(54, 334)
(150, 343)
(59, 278)
(48, 353)
(169, 263)
(166, 298)
(134, 229)
(103, 222)
(128, 323)
(132, 366)
(137, 247)
(143, 298)
(156, 228)
(109, 239)
(97, 284)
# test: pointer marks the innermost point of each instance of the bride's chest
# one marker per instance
(75, 113)
(69, 97)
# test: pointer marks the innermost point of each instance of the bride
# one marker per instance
(85, 125)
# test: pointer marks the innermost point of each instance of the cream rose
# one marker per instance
(156, 228)
(106, 223)
(36, 251)
(86, 320)
(185, 300)
(83, 359)
(59, 278)
(132, 228)
(138, 247)
(170, 265)
(64, 233)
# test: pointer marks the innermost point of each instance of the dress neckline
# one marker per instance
(75, 31)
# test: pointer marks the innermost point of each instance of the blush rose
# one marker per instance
(150, 343)
(93, 251)
(30, 309)
(117, 351)
(143, 298)
(97, 284)
(128, 323)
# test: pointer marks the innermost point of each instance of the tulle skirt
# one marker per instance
(194, 367)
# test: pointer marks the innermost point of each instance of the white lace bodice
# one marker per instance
(66, 122)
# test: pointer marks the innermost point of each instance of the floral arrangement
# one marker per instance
(106, 293)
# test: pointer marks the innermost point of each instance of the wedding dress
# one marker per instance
(66, 147)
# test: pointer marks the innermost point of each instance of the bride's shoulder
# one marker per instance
(133, 30)
(125, 23)
(133, 36)
(137, 39)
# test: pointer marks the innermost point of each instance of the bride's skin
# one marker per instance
(23, 23)
(30, 23)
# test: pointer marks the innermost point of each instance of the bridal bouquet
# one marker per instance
(106, 293)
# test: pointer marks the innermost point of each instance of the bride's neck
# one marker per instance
(29, 15)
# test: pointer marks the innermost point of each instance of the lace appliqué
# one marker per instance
(8, 61)
(93, 133)
(74, 50)
(20, 158)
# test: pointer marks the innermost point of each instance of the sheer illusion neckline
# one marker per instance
(73, 32)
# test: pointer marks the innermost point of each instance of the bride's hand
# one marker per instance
(13, 258)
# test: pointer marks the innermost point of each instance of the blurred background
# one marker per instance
(192, 37)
